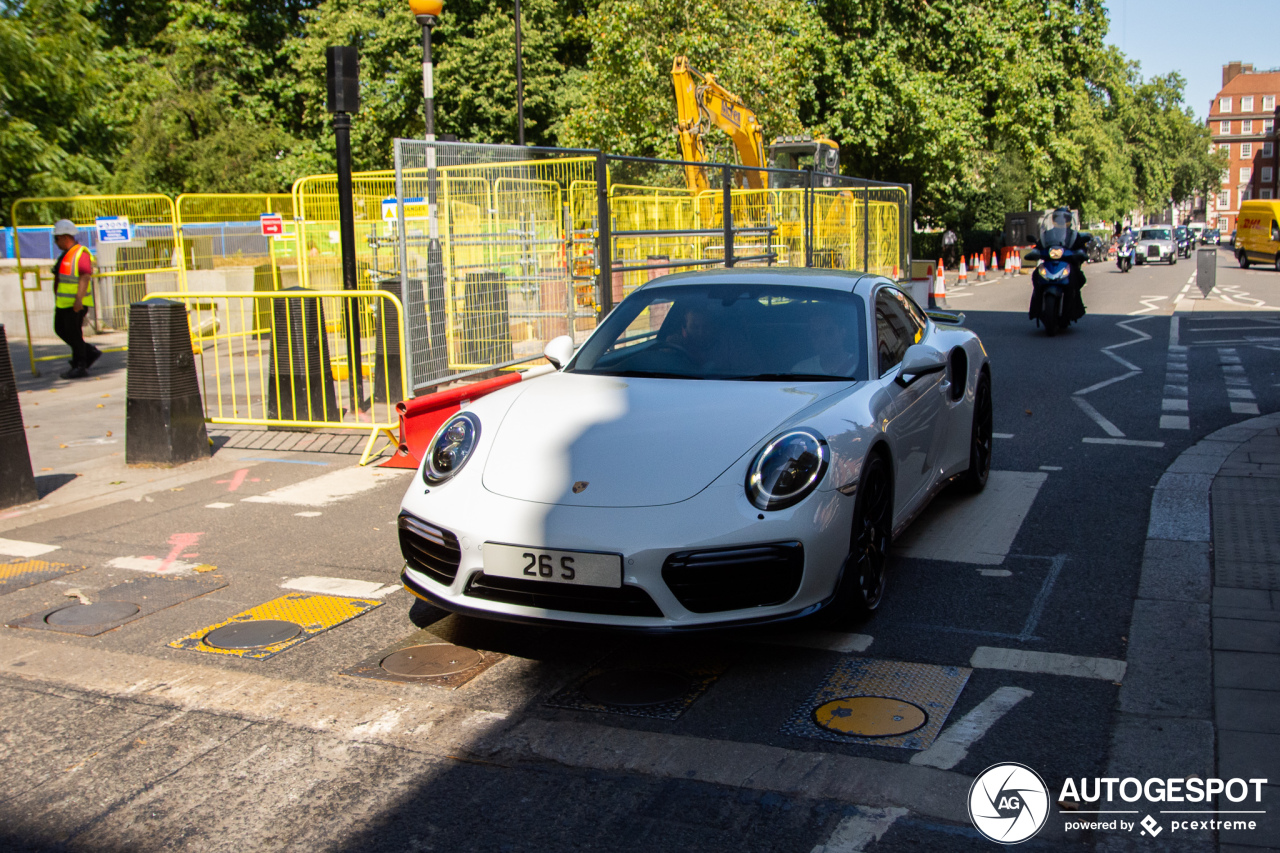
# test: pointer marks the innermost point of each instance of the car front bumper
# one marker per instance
(720, 519)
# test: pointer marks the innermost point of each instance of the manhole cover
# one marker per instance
(431, 660)
(870, 716)
(99, 613)
(636, 687)
(252, 635)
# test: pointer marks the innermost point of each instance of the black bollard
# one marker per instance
(387, 387)
(299, 387)
(164, 417)
(17, 484)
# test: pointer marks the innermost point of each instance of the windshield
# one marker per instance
(731, 331)
(1058, 228)
(1155, 234)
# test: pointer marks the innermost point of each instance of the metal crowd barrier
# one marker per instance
(283, 359)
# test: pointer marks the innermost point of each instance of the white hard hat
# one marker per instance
(65, 226)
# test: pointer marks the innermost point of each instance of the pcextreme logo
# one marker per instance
(1008, 803)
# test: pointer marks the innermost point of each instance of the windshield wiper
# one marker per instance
(794, 377)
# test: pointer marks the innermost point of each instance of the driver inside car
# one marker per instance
(830, 340)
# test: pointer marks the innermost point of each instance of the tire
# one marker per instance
(1173, 259)
(980, 445)
(1277, 261)
(1050, 312)
(862, 580)
(1242, 259)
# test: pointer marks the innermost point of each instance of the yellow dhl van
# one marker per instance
(1258, 233)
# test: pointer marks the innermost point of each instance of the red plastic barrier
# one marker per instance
(421, 417)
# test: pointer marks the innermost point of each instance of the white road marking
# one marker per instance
(995, 573)
(952, 746)
(1174, 329)
(1167, 405)
(340, 586)
(1002, 435)
(1175, 422)
(1019, 660)
(1148, 301)
(18, 548)
(327, 488)
(1050, 467)
(832, 641)
(1107, 426)
(1244, 408)
(1128, 442)
(1232, 368)
(1236, 380)
(218, 505)
(308, 514)
(855, 832)
(1240, 394)
(152, 564)
(1104, 383)
(1175, 390)
(976, 528)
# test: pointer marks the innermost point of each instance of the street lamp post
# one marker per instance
(519, 81)
(427, 14)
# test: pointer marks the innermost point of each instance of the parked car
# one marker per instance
(1155, 243)
(675, 474)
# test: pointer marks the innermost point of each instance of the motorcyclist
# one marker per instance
(1059, 233)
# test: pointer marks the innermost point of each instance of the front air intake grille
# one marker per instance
(735, 578)
(607, 601)
(1153, 251)
(429, 549)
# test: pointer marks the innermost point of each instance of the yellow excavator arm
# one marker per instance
(702, 102)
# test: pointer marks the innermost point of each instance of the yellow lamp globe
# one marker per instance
(426, 7)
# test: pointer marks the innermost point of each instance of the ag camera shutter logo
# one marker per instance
(1008, 803)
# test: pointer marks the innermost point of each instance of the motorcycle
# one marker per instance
(1125, 255)
(1185, 243)
(1055, 300)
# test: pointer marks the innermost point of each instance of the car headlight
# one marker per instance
(787, 469)
(451, 448)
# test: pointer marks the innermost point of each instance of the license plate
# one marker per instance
(584, 568)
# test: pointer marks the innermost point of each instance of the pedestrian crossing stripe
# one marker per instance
(314, 614)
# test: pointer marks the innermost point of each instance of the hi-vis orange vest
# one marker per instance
(66, 279)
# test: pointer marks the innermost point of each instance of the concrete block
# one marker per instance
(1247, 710)
(1175, 571)
(1258, 599)
(1246, 670)
(1246, 635)
(1147, 747)
(1180, 515)
(1170, 665)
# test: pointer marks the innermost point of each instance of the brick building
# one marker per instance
(1242, 121)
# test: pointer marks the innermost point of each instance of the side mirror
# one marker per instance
(920, 359)
(559, 350)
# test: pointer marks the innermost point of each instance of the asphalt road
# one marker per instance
(121, 741)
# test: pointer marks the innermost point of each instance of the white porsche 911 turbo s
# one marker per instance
(728, 447)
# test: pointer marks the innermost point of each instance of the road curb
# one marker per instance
(1165, 725)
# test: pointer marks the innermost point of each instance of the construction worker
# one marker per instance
(73, 297)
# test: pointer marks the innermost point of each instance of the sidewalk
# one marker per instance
(1245, 501)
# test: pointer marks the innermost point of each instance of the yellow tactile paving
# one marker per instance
(20, 574)
(313, 613)
(882, 702)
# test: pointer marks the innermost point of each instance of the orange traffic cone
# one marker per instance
(964, 272)
(982, 268)
(938, 293)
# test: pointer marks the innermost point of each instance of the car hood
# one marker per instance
(633, 441)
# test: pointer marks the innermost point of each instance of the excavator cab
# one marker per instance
(804, 152)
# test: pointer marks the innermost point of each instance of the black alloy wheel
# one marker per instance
(975, 478)
(863, 581)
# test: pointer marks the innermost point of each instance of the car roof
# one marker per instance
(795, 276)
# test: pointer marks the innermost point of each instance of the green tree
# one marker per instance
(57, 130)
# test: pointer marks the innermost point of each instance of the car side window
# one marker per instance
(896, 329)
